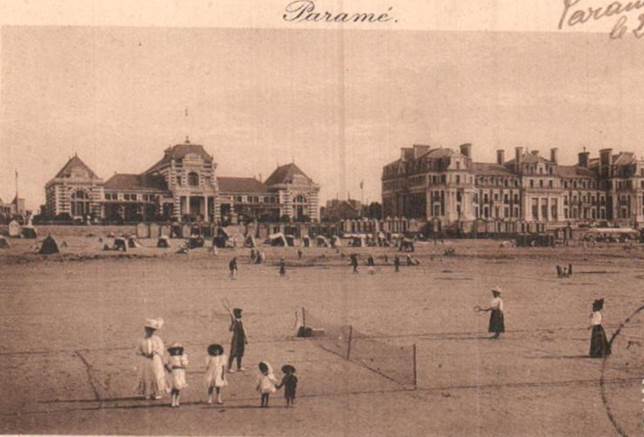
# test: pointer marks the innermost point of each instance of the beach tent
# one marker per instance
(290, 239)
(29, 232)
(120, 243)
(163, 242)
(196, 241)
(306, 241)
(322, 241)
(132, 242)
(277, 239)
(14, 229)
(250, 241)
(4, 244)
(49, 246)
(335, 241)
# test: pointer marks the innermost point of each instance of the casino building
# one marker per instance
(447, 187)
(182, 185)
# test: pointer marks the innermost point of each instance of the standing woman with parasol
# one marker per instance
(599, 345)
(497, 322)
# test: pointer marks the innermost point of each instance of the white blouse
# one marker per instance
(596, 318)
(497, 304)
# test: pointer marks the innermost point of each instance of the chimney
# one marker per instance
(583, 159)
(518, 155)
(466, 149)
(605, 162)
(535, 153)
(554, 152)
(500, 156)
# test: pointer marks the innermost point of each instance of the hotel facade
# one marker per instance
(182, 185)
(448, 188)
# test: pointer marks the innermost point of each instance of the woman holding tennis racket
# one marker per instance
(497, 322)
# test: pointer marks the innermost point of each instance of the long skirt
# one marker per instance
(599, 346)
(497, 325)
(152, 377)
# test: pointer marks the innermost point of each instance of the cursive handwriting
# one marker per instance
(306, 11)
(577, 13)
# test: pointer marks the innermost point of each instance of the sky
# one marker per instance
(339, 103)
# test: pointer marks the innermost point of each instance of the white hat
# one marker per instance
(154, 323)
(497, 289)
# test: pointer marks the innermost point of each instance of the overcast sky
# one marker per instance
(341, 104)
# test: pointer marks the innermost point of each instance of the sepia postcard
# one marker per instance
(322, 217)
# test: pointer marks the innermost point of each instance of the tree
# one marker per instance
(373, 211)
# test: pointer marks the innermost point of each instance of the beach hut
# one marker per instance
(290, 239)
(28, 232)
(322, 241)
(163, 242)
(14, 229)
(132, 242)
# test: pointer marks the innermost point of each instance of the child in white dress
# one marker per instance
(216, 371)
(177, 362)
(266, 382)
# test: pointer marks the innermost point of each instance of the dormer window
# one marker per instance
(193, 179)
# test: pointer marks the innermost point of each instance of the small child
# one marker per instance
(289, 382)
(282, 267)
(177, 363)
(266, 382)
(215, 371)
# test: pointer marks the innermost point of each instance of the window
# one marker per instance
(541, 183)
(193, 179)
(550, 184)
(531, 183)
(80, 203)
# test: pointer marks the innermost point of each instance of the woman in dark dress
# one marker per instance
(497, 321)
(239, 340)
(599, 345)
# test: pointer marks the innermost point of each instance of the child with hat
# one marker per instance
(177, 363)
(215, 371)
(289, 382)
(265, 382)
(152, 381)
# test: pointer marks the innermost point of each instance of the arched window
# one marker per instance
(193, 179)
(299, 199)
(80, 203)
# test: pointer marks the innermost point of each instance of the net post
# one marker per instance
(350, 338)
(303, 317)
(414, 362)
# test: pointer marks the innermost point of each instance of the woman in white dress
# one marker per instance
(152, 383)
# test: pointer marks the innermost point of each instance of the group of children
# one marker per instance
(153, 383)
(563, 272)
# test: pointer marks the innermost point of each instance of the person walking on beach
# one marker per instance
(289, 382)
(238, 341)
(282, 267)
(371, 265)
(152, 382)
(354, 262)
(266, 382)
(599, 345)
(397, 263)
(497, 322)
(232, 266)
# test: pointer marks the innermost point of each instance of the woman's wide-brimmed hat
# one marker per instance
(237, 312)
(496, 290)
(154, 323)
(287, 368)
(215, 349)
(176, 348)
(598, 304)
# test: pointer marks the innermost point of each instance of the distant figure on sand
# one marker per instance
(282, 267)
(239, 340)
(215, 372)
(232, 266)
(289, 382)
(599, 345)
(177, 363)
(299, 253)
(152, 383)
(371, 264)
(265, 382)
(396, 263)
(497, 322)
(354, 262)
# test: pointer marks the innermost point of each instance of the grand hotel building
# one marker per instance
(448, 187)
(182, 185)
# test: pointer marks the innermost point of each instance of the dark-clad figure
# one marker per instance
(289, 382)
(354, 262)
(282, 267)
(599, 345)
(239, 340)
(232, 266)
(397, 263)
